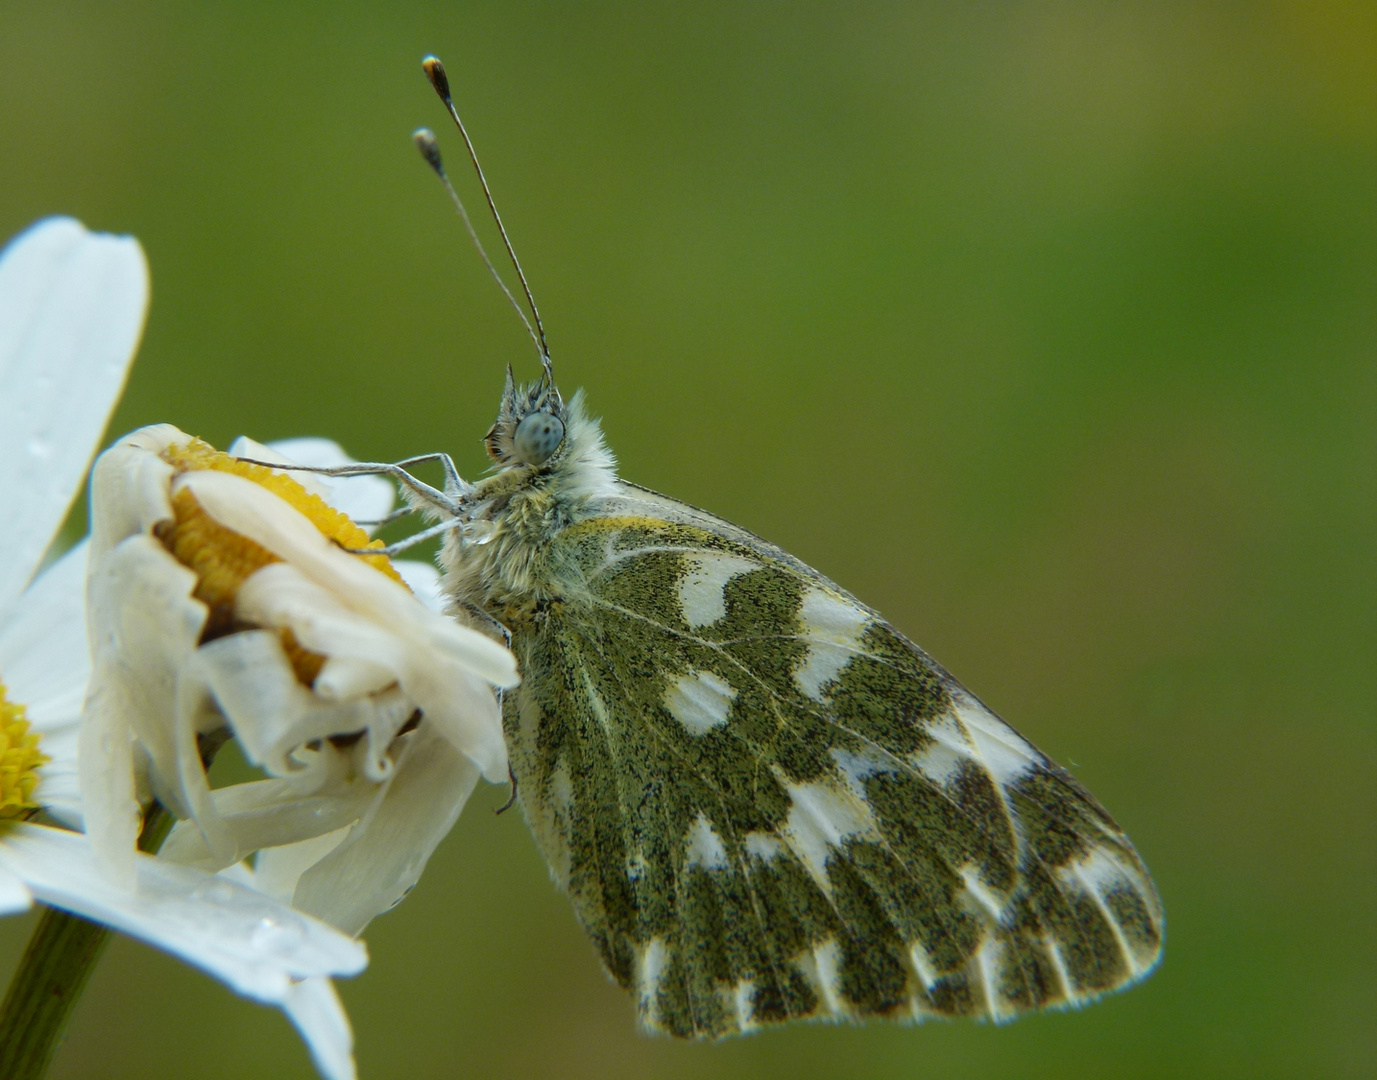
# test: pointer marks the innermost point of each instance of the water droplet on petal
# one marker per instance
(276, 936)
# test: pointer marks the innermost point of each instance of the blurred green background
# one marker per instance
(1050, 330)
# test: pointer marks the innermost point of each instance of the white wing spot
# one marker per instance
(744, 1010)
(940, 761)
(987, 960)
(927, 974)
(764, 846)
(857, 768)
(650, 969)
(820, 818)
(827, 957)
(1059, 966)
(702, 588)
(703, 847)
(635, 866)
(1097, 874)
(833, 627)
(700, 701)
(1006, 754)
(977, 890)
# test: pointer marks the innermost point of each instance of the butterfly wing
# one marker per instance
(767, 804)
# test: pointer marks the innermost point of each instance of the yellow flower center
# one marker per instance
(19, 760)
(223, 559)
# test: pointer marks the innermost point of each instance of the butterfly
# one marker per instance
(765, 803)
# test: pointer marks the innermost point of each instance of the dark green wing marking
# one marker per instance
(767, 804)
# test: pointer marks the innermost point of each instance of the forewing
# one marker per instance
(767, 804)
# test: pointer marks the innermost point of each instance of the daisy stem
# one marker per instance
(54, 971)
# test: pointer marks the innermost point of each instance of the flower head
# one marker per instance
(227, 598)
(71, 310)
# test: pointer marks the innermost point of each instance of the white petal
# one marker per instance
(252, 511)
(452, 697)
(314, 1007)
(384, 855)
(246, 679)
(45, 659)
(277, 870)
(245, 447)
(342, 678)
(256, 688)
(363, 498)
(272, 714)
(109, 807)
(59, 786)
(144, 627)
(72, 306)
(129, 486)
(423, 579)
(270, 813)
(240, 936)
(14, 894)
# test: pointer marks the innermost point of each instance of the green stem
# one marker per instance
(54, 971)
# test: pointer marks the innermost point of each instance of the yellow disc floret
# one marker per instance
(223, 559)
(19, 760)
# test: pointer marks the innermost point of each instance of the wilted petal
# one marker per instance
(323, 797)
(129, 488)
(144, 627)
(382, 858)
(278, 870)
(454, 699)
(343, 678)
(363, 498)
(314, 483)
(439, 663)
(271, 712)
(253, 512)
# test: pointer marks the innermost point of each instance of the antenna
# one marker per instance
(425, 141)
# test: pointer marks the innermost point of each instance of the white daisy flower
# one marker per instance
(72, 306)
(224, 600)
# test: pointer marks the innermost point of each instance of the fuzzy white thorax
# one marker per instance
(521, 507)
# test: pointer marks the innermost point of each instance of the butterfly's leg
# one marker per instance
(431, 496)
(411, 541)
(487, 621)
(511, 799)
(396, 515)
(454, 483)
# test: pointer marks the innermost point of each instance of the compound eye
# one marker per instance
(537, 437)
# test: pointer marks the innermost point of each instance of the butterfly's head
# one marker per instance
(530, 425)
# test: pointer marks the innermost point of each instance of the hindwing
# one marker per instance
(767, 804)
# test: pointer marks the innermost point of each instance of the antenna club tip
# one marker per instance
(435, 72)
(426, 143)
